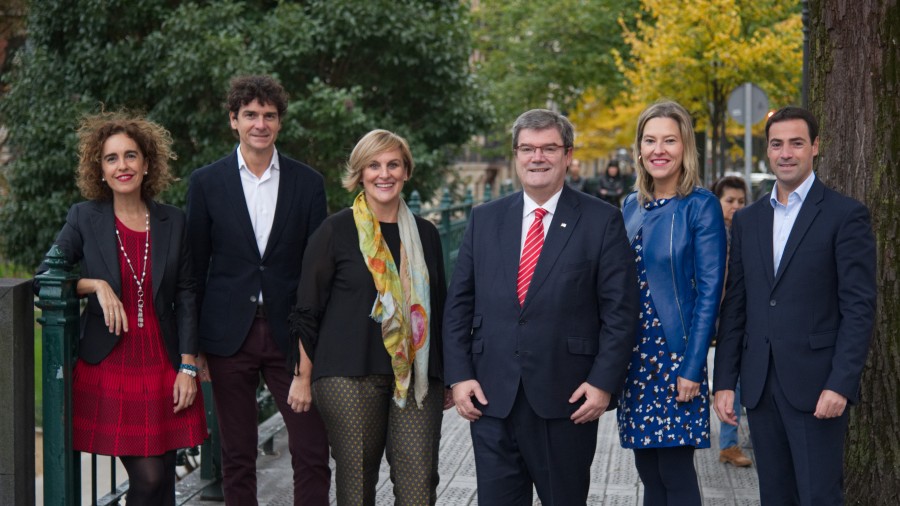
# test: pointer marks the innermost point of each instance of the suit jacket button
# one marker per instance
(262, 267)
(253, 298)
(772, 302)
(516, 354)
(523, 322)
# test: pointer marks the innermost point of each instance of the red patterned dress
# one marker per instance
(124, 404)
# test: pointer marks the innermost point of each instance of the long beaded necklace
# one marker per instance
(140, 282)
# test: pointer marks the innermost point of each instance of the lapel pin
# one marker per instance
(563, 225)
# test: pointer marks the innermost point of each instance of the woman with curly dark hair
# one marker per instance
(134, 386)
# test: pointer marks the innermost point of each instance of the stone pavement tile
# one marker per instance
(620, 496)
(710, 471)
(744, 478)
(747, 500)
(459, 492)
(713, 497)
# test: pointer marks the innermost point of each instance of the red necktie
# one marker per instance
(534, 240)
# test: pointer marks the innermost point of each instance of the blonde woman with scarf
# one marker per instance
(368, 322)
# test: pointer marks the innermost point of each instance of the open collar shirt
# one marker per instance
(261, 196)
(786, 215)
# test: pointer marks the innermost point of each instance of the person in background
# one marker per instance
(732, 194)
(677, 233)
(250, 215)
(134, 387)
(374, 371)
(574, 178)
(611, 185)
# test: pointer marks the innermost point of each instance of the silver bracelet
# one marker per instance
(187, 371)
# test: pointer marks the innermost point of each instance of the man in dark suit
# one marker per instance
(537, 334)
(249, 217)
(797, 320)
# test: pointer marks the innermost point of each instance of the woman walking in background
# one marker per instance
(134, 385)
(732, 194)
(677, 232)
(376, 369)
(611, 185)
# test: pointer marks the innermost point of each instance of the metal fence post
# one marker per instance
(445, 228)
(211, 450)
(415, 202)
(468, 202)
(59, 302)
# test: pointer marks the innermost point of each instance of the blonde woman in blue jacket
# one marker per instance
(677, 233)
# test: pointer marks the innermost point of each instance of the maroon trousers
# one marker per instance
(235, 379)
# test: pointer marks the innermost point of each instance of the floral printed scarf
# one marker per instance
(402, 305)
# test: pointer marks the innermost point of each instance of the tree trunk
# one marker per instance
(855, 94)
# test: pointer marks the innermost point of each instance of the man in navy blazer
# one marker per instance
(797, 319)
(249, 217)
(534, 377)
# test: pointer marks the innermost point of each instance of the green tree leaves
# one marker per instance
(348, 66)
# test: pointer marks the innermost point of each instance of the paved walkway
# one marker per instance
(614, 480)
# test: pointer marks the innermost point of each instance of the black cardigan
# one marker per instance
(336, 294)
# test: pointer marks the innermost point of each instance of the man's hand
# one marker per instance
(595, 404)
(300, 394)
(724, 405)
(448, 399)
(462, 397)
(203, 368)
(831, 405)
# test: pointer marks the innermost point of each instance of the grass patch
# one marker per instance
(11, 270)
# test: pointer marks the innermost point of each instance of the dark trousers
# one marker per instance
(235, 380)
(799, 457)
(362, 419)
(513, 454)
(668, 476)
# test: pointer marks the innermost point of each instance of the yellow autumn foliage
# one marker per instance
(695, 52)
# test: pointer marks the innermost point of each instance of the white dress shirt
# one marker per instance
(261, 196)
(786, 215)
(528, 215)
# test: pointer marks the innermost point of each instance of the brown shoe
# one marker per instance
(734, 456)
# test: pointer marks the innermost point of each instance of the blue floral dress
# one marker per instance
(648, 414)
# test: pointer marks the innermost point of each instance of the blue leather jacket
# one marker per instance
(684, 252)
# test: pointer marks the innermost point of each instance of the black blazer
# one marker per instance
(814, 317)
(335, 297)
(579, 319)
(89, 238)
(230, 270)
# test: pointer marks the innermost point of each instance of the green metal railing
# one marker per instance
(60, 320)
(451, 219)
